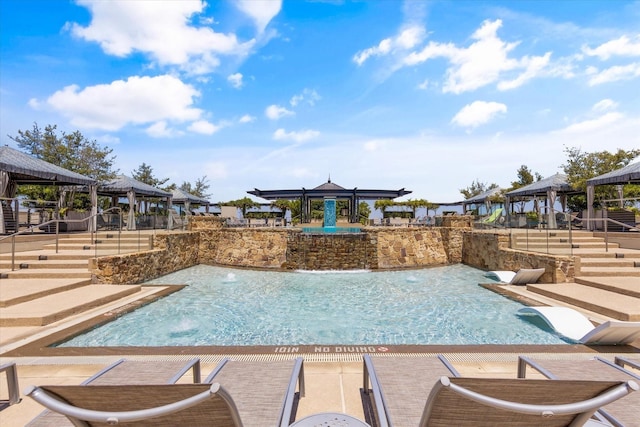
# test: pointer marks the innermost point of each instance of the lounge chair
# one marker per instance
(574, 325)
(398, 387)
(456, 401)
(128, 372)
(625, 360)
(623, 412)
(524, 276)
(492, 219)
(234, 394)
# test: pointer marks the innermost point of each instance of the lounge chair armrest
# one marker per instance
(297, 377)
(371, 377)
(623, 361)
(193, 365)
(584, 406)
(524, 361)
(52, 403)
(12, 381)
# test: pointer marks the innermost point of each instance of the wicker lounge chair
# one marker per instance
(455, 401)
(524, 276)
(264, 393)
(128, 372)
(623, 412)
(399, 387)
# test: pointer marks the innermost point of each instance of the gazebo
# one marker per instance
(549, 188)
(629, 174)
(483, 198)
(329, 190)
(124, 186)
(18, 168)
(181, 197)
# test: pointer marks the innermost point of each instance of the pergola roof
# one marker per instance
(181, 196)
(482, 197)
(625, 175)
(557, 183)
(24, 169)
(329, 189)
(121, 185)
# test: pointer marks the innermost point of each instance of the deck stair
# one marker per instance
(608, 302)
(607, 278)
(48, 285)
(50, 308)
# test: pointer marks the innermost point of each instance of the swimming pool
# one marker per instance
(226, 307)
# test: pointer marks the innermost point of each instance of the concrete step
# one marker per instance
(99, 247)
(609, 271)
(52, 308)
(47, 273)
(622, 285)
(576, 245)
(35, 264)
(617, 253)
(607, 303)
(17, 291)
(41, 256)
(610, 262)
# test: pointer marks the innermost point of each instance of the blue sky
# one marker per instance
(424, 95)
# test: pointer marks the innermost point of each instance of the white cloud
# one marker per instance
(310, 96)
(204, 127)
(533, 67)
(216, 170)
(247, 119)
(160, 130)
(593, 125)
(138, 100)
(161, 29)
(407, 39)
(613, 74)
(261, 11)
(604, 105)
(622, 46)
(478, 113)
(484, 62)
(275, 112)
(301, 136)
(235, 80)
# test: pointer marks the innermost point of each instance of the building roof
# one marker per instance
(122, 184)
(329, 189)
(181, 196)
(625, 175)
(25, 169)
(557, 183)
(482, 197)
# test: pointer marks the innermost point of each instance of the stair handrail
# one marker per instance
(57, 222)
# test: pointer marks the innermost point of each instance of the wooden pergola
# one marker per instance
(329, 190)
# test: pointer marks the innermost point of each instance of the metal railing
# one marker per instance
(114, 224)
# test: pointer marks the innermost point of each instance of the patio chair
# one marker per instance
(234, 394)
(523, 276)
(398, 387)
(487, 401)
(627, 361)
(128, 372)
(623, 412)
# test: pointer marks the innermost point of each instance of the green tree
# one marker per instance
(364, 211)
(525, 177)
(476, 188)
(581, 166)
(72, 151)
(144, 173)
(244, 204)
(282, 204)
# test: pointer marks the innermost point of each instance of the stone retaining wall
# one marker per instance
(172, 252)
(287, 248)
(489, 250)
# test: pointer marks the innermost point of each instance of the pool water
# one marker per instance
(225, 307)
